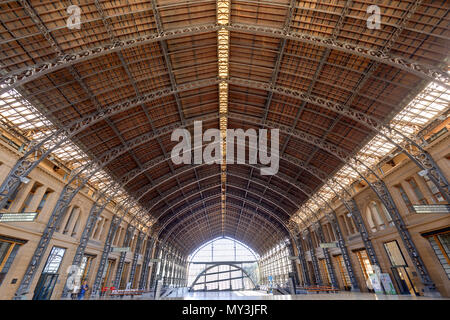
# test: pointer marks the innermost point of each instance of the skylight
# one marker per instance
(17, 114)
(431, 103)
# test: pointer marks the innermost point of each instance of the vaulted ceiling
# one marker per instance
(154, 66)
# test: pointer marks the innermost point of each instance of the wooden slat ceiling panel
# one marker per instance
(238, 223)
(202, 50)
(262, 14)
(180, 13)
(26, 45)
(201, 104)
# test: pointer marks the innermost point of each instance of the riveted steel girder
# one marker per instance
(187, 225)
(315, 262)
(417, 154)
(24, 75)
(234, 196)
(143, 281)
(136, 256)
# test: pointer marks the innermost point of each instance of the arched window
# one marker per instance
(351, 226)
(387, 215)
(374, 216)
(239, 265)
(331, 232)
(343, 226)
(44, 200)
(133, 242)
(30, 196)
(75, 226)
(73, 217)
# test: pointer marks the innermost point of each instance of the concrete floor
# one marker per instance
(261, 295)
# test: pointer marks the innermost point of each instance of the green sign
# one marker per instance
(18, 217)
(387, 283)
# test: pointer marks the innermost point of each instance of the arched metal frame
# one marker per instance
(140, 238)
(359, 221)
(232, 196)
(221, 264)
(443, 192)
(231, 205)
(200, 247)
(151, 204)
(258, 220)
(284, 177)
(126, 243)
(143, 281)
(45, 32)
(204, 176)
(128, 177)
(379, 187)
(22, 76)
(260, 206)
(423, 160)
(140, 140)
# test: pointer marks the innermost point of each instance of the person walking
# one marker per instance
(83, 289)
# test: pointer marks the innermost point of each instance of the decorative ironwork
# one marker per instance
(143, 281)
(126, 243)
(417, 153)
(327, 256)
(29, 160)
(155, 266)
(22, 76)
(136, 256)
(312, 252)
(104, 257)
(424, 71)
(344, 251)
(269, 210)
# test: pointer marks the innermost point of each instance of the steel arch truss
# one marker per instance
(216, 264)
(22, 76)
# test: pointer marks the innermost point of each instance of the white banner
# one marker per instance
(120, 249)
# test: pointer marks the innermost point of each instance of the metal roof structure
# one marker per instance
(103, 99)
